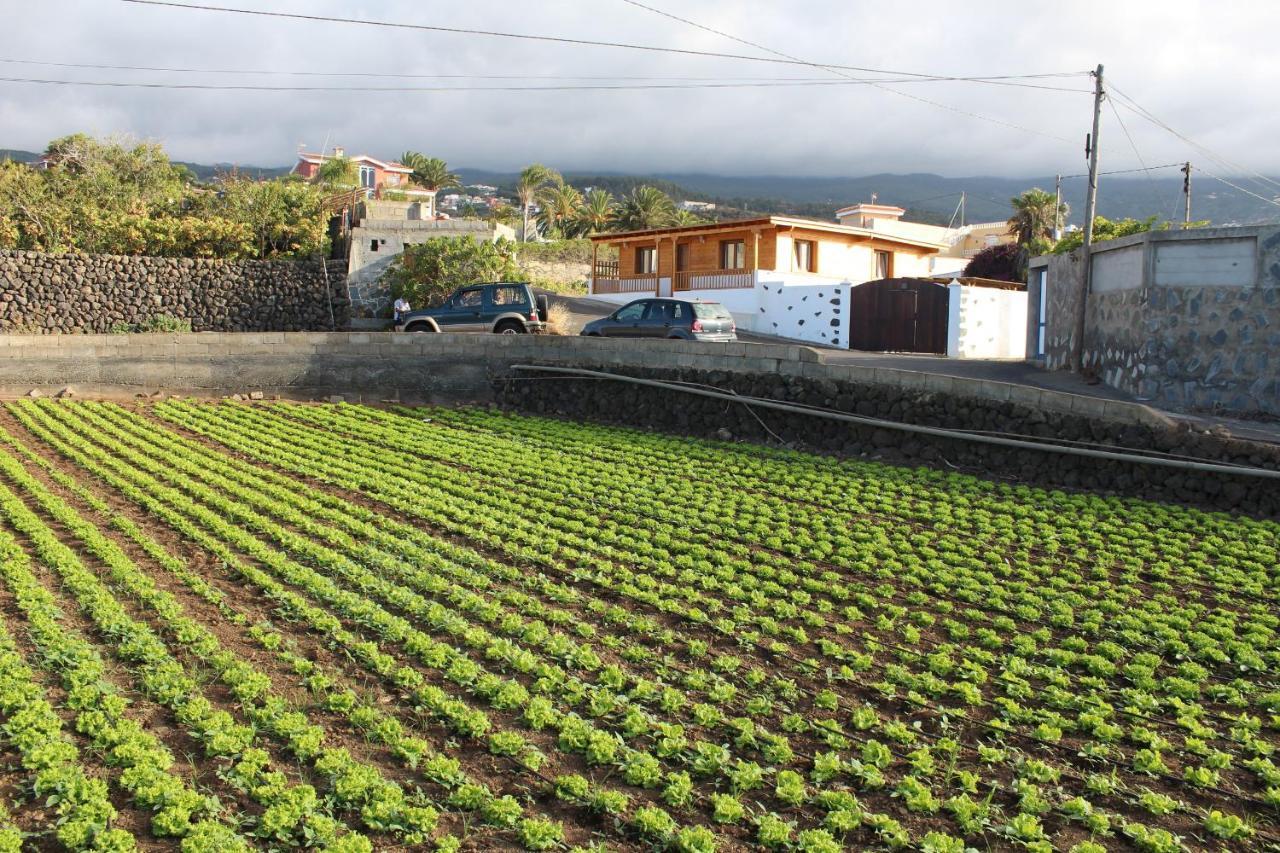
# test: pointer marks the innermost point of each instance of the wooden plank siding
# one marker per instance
(838, 252)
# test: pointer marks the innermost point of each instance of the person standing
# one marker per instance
(400, 308)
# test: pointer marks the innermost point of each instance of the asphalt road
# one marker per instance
(582, 310)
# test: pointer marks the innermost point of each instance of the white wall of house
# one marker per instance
(801, 307)
(986, 322)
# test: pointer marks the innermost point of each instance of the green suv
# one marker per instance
(502, 307)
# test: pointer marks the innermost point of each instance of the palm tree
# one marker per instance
(687, 217)
(596, 213)
(338, 172)
(430, 173)
(559, 205)
(532, 179)
(645, 207)
(1034, 217)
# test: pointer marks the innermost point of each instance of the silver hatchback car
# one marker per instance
(676, 319)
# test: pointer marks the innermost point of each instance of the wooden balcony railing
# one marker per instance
(724, 280)
(607, 279)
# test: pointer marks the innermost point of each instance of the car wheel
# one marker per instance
(510, 327)
(543, 305)
(420, 328)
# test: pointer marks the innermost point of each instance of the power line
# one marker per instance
(1129, 171)
(834, 69)
(403, 76)
(582, 42)
(1132, 105)
(252, 87)
(1146, 173)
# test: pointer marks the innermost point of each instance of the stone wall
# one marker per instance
(1168, 332)
(45, 294)
(610, 401)
(370, 367)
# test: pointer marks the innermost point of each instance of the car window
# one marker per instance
(657, 311)
(631, 313)
(711, 311)
(469, 298)
(508, 295)
(679, 311)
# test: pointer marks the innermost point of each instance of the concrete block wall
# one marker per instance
(1189, 320)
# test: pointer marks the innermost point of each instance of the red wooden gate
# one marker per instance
(899, 315)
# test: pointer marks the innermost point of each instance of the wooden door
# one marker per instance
(899, 315)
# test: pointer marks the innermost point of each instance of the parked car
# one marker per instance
(503, 307)
(677, 319)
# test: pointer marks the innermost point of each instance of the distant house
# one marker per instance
(378, 177)
(776, 274)
(697, 206)
(959, 244)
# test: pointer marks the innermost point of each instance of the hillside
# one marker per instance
(927, 197)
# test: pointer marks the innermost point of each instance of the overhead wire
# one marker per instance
(562, 87)
(405, 76)
(267, 13)
(834, 69)
(1133, 106)
(1146, 173)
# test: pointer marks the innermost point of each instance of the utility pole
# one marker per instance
(1186, 194)
(1090, 206)
(1057, 206)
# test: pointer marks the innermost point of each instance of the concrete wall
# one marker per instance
(986, 322)
(452, 368)
(94, 293)
(376, 243)
(1188, 319)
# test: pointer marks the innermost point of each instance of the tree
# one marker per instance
(645, 207)
(1003, 262)
(560, 205)
(596, 213)
(532, 179)
(1110, 229)
(1033, 220)
(427, 272)
(684, 217)
(119, 197)
(338, 173)
(430, 173)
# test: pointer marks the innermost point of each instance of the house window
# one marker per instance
(647, 260)
(733, 254)
(368, 176)
(884, 264)
(806, 256)
(373, 245)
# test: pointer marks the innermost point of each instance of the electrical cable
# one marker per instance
(834, 69)
(266, 13)
(938, 432)
(1132, 105)
(253, 87)
(1146, 173)
(98, 66)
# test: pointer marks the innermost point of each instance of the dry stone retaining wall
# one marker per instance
(373, 366)
(43, 294)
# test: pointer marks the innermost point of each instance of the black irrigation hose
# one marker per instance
(1022, 444)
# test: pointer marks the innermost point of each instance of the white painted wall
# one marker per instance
(986, 322)
(803, 307)
(1206, 263)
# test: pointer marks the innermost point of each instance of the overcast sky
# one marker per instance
(1209, 69)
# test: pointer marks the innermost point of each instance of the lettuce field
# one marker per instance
(271, 626)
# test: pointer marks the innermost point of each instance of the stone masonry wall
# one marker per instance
(46, 294)
(1188, 347)
(447, 368)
